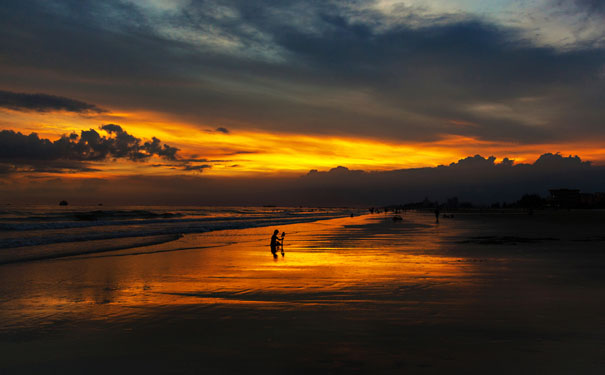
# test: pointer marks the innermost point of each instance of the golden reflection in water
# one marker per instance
(372, 260)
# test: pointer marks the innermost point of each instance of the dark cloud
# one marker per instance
(475, 178)
(219, 130)
(556, 162)
(197, 168)
(125, 145)
(319, 67)
(32, 167)
(44, 103)
(69, 151)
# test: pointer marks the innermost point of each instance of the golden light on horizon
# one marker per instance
(258, 152)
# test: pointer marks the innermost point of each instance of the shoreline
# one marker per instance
(24, 254)
(75, 247)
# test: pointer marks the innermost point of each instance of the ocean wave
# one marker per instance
(160, 219)
(91, 215)
(131, 229)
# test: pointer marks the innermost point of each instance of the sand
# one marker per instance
(491, 293)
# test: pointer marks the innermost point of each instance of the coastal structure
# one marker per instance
(573, 198)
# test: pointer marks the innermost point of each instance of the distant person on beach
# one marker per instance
(274, 242)
(437, 215)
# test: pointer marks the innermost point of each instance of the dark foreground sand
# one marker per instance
(479, 293)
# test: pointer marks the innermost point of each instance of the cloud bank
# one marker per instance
(474, 179)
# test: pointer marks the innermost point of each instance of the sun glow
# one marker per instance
(204, 149)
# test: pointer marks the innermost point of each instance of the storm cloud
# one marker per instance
(44, 103)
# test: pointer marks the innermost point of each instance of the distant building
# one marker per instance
(592, 200)
(452, 203)
(565, 198)
(587, 199)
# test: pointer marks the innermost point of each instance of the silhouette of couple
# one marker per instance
(277, 243)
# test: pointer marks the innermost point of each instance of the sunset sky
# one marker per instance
(278, 88)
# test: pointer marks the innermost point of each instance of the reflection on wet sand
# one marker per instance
(325, 263)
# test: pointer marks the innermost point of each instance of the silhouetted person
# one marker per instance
(283, 234)
(274, 242)
(437, 215)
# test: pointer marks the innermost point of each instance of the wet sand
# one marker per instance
(479, 293)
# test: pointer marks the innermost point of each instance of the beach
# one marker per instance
(482, 292)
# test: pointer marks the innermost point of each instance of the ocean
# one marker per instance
(33, 232)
